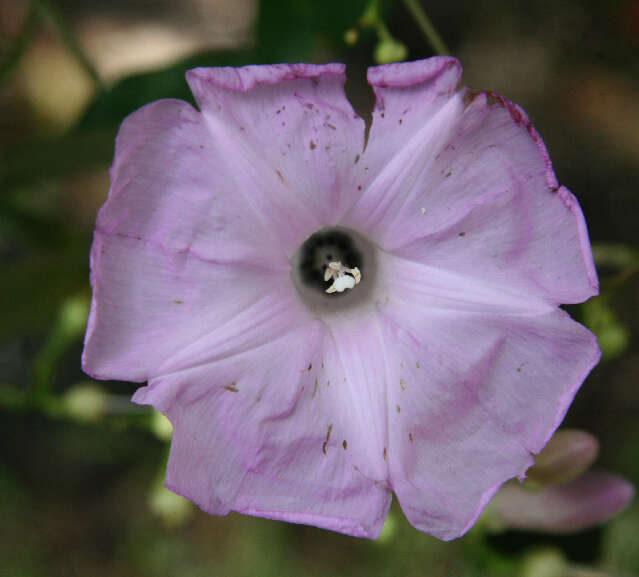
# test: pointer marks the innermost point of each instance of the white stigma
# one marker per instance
(341, 280)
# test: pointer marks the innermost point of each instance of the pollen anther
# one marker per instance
(343, 277)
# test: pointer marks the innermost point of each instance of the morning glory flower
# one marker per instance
(327, 316)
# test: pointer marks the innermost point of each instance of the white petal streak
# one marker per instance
(355, 365)
(431, 287)
(272, 314)
(150, 304)
(393, 177)
(291, 137)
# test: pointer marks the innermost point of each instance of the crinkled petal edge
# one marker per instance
(343, 525)
(247, 78)
(568, 199)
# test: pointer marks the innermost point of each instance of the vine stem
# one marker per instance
(426, 26)
(16, 50)
(49, 11)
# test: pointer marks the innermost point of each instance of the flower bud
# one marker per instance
(161, 427)
(85, 402)
(544, 563)
(390, 50)
(351, 36)
(73, 315)
(566, 456)
(584, 502)
(171, 508)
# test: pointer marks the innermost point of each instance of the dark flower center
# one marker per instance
(335, 261)
(322, 248)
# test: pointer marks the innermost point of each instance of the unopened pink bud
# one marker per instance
(566, 456)
(590, 500)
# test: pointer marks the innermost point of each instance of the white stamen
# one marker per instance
(341, 282)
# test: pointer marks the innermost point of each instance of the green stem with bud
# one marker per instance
(427, 28)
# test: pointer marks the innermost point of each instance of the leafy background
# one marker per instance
(81, 468)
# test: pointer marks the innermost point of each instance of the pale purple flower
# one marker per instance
(436, 377)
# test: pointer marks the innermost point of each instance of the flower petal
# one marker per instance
(476, 393)
(173, 186)
(291, 137)
(469, 168)
(417, 106)
(264, 432)
(150, 305)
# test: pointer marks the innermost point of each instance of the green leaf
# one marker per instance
(601, 319)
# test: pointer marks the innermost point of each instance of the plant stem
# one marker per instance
(16, 50)
(49, 11)
(426, 26)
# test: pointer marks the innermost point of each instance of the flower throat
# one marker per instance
(329, 261)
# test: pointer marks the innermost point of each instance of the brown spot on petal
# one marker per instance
(280, 176)
(385, 454)
(328, 438)
(402, 384)
(356, 159)
(232, 388)
(462, 234)
(410, 436)
(313, 145)
(315, 386)
(399, 409)
(178, 302)
(345, 445)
